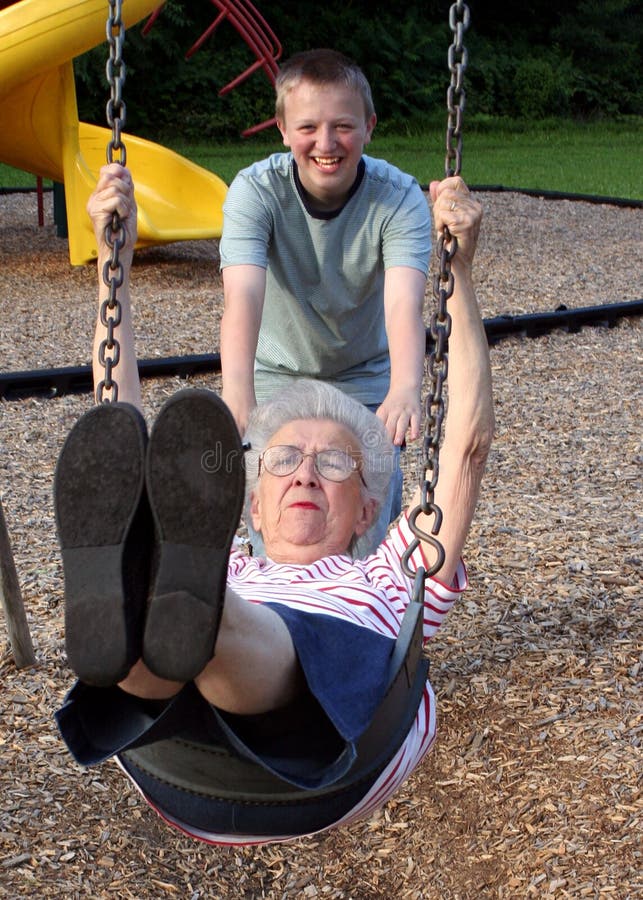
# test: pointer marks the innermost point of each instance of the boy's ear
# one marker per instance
(281, 125)
(370, 126)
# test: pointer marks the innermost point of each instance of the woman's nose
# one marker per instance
(306, 473)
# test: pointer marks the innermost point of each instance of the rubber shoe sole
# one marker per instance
(100, 511)
(195, 485)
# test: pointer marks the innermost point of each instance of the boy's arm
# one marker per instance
(403, 303)
(244, 288)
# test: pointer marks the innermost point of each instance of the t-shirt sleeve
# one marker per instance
(247, 225)
(406, 238)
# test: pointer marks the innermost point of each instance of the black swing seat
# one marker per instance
(211, 787)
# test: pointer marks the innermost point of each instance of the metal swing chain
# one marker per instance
(110, 311)
(440, 326)
(457, 60)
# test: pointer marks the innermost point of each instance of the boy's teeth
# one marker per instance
(326, 160)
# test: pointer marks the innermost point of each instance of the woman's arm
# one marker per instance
(469, 422)
(114, 192)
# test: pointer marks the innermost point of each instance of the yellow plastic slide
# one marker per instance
(40, 132)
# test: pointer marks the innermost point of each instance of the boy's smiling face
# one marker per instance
(326, 128)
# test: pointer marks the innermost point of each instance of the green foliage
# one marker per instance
(529, 60)
(166, 94)
(408, 86)
(538, 90)
(608, 34)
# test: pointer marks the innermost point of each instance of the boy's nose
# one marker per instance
(326, 138)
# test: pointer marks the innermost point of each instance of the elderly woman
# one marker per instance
(180, 641)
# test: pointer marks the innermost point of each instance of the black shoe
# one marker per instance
(195, 485)
(105, 537)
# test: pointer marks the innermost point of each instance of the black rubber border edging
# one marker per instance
(78, 379)
(51, 383)
(490, 188)
(559, 195)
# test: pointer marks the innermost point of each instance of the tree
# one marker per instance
(524, 59)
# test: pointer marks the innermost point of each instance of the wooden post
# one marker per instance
(19, 636)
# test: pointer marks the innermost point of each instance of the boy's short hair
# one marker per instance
(321, 67)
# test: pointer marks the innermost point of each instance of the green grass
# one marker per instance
(597, 158)
(11, 178)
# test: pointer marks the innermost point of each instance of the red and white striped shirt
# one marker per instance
(372, 593)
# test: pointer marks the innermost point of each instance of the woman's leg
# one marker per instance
(105, 536)
(254, 668)
(195, 483)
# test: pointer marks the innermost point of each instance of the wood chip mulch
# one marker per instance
(533, 787)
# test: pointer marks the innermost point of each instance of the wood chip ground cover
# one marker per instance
(533, 787)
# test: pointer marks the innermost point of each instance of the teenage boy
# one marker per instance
(324, 254)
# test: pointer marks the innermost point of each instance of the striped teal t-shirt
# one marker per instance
(323, 313)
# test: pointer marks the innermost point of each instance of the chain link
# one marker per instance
(457, 61)
(440, 326)
(110, 311)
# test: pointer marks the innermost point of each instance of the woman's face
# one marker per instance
(302, 516)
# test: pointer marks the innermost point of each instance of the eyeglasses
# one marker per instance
(333, 465)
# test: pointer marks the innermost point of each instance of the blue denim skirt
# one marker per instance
(309, 744)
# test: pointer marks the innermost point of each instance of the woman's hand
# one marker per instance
(114, 192)
(455, 208)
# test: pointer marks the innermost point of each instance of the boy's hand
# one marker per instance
(400, 412)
